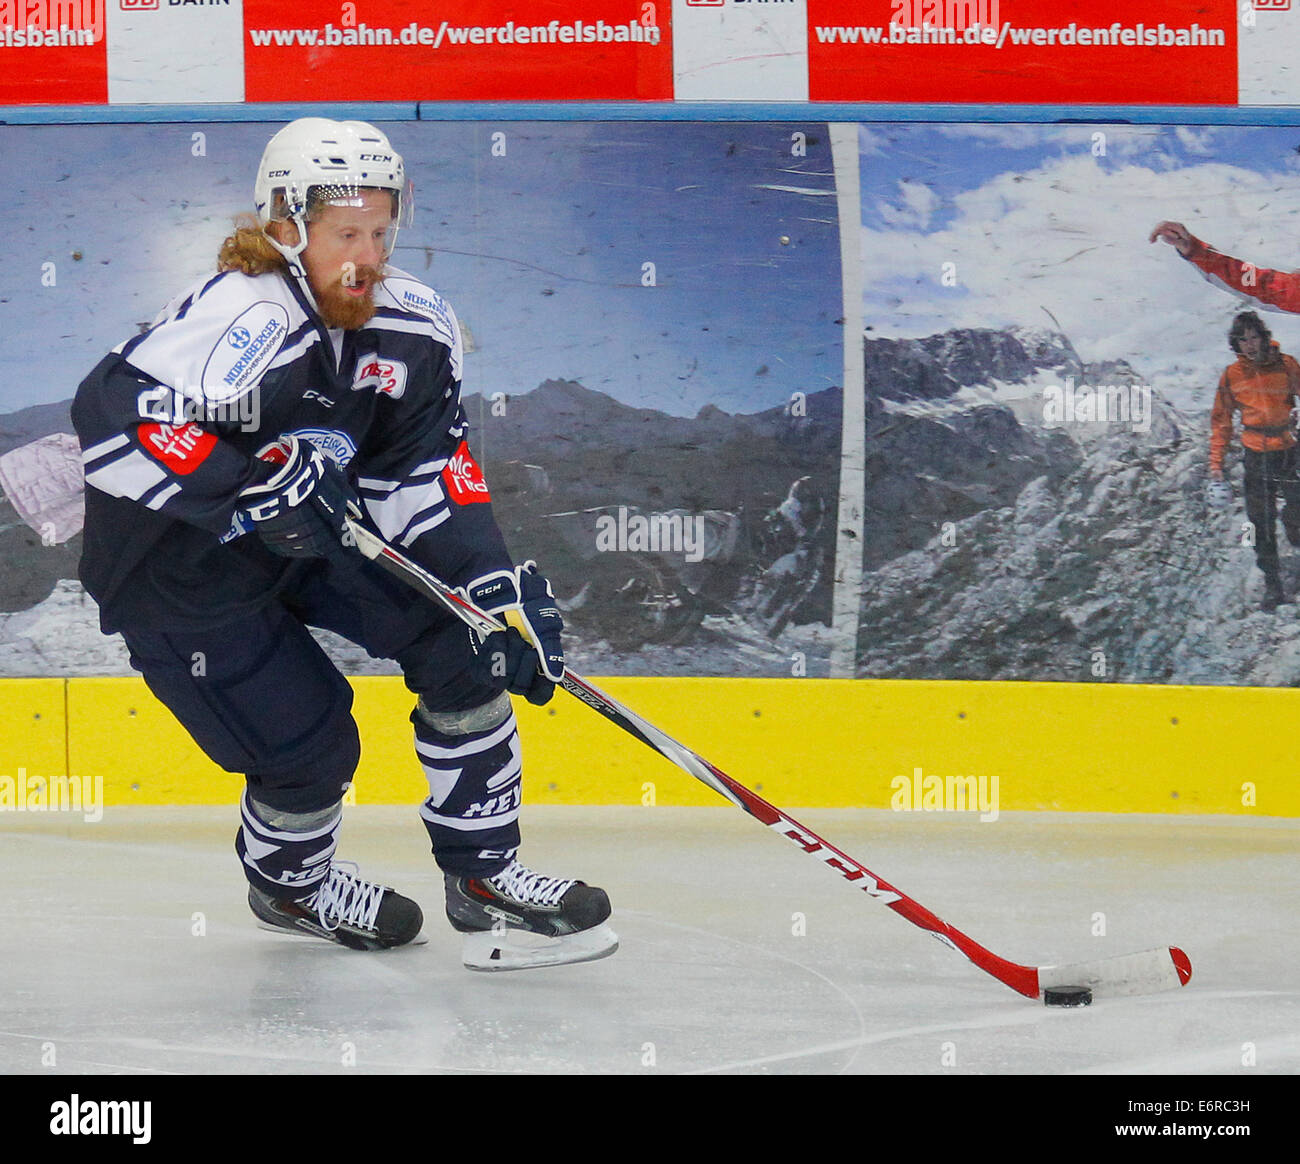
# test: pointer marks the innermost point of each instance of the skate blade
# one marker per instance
(420, 939)
(524, 950)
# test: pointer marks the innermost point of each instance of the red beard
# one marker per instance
(340, 307)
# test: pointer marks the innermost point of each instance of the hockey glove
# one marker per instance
(300, 511)
(527, 658)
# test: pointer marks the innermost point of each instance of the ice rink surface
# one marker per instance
(129, 950)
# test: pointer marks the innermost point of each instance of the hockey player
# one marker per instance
(307, 380)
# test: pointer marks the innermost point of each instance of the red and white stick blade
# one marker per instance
(1146, 973)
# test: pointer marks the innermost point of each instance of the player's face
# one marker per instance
(346, 249)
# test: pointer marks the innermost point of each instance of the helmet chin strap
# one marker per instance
(292, 256)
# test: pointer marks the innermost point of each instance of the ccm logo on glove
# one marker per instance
(300, 512)
(527, 658)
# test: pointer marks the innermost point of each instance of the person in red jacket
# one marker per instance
(1262, 385)
(1280, 289)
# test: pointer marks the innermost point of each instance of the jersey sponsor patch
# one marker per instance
(430, 304)
(464, 479)
(382, 374)
(244, 351)
(181, 447)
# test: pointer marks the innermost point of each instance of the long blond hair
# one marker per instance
(249, 250)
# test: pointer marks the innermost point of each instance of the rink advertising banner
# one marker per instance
(1165, 52)
(479, 50)
(53, 52)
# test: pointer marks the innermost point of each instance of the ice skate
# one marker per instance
(346, 909)
(519, 919)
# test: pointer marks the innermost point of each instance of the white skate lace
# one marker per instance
(346, 899)
(528, 887)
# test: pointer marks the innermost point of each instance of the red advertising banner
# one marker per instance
(479, 50)
(52, 52)
(1163, 52)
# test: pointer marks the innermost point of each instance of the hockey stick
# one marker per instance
(1164, 968)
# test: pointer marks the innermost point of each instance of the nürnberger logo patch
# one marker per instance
(382, 374)
(422, 301)
(464, 479)
(181, 447)
(244, 351)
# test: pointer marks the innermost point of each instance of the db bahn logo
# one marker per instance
(137, 5)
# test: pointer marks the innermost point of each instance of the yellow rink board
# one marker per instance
(34, 734)
(798, 742)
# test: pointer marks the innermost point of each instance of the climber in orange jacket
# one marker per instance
(1262, 385)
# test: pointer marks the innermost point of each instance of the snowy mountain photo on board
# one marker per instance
(1038, 384)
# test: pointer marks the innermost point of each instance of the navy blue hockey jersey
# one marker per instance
(171, 423)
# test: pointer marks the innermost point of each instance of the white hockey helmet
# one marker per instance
(313, 162)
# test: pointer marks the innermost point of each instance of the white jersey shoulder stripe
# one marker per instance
(103, 448)
(287, 355)
(130, 476)
(420, 327)
(406, 293)
(215, 349)
(159, 499)
(409, 538)
(394, 512)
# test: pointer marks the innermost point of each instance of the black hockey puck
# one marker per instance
(1067, 996)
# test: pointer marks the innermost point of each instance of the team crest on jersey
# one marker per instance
(338, 446)
(382, 374)
(244, 351)
(464, 479)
